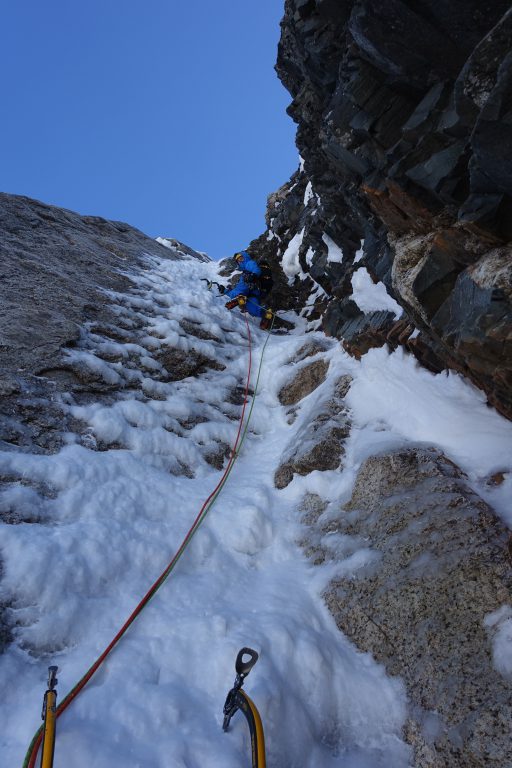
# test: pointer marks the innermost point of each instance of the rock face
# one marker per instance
(437, 566)
(60, 273)
(404, 127)
(54, 266)
(180, 364)
(320, 442)
(305, 381)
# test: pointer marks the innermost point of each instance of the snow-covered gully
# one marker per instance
(123, 492)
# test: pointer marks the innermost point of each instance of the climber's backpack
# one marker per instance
(265, 280)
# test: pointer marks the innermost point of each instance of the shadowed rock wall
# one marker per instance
(404, 114)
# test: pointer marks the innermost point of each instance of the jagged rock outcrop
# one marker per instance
(433, 579)
(404, 115)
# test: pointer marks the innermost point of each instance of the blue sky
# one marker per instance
(164, 113)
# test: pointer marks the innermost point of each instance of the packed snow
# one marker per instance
(334, 252)
(308, 194)
(370, 296)
(499, 624)
(359, 253)
(290, 259)
(113, 518)
(165, 242)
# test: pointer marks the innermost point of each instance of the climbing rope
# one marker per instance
(222, 292)
(256, 386)
(31, 755)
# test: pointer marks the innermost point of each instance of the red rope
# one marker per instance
(34, 747)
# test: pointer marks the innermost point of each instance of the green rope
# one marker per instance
(244, 433)
(256, 386)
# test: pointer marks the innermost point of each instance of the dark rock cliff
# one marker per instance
(404, 114)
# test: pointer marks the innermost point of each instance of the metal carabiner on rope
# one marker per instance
(238, 700)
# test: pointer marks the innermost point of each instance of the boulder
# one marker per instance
(179, 364)
(425, 603)
(305, 381)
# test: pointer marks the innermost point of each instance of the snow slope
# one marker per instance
(115, 517)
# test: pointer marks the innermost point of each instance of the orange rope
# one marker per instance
(32, 751)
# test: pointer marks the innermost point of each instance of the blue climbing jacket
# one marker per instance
(248, 265)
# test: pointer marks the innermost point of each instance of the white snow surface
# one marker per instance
(499, 624)
(334, 252)
(165, 242)
(308, 194)
(370, 296)
(115, 517)
(290, 259)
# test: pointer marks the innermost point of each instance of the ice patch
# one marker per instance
(359, 253)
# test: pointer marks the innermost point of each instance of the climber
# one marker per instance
(252, 288)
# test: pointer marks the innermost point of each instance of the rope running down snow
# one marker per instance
(31, 755)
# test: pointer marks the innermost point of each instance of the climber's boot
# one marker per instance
(266, 320)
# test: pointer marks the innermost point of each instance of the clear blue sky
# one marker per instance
(166, 114)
